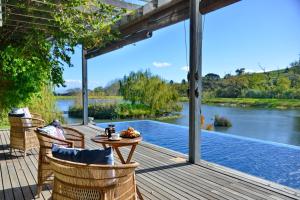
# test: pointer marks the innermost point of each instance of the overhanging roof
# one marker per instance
(146, 17)
(153, 16)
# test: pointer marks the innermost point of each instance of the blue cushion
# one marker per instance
(95, 156)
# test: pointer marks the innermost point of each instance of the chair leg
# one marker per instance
(38, 190)
(25, 153)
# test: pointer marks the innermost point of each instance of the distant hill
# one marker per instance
(282, 83)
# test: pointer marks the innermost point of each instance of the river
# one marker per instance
(274, 125)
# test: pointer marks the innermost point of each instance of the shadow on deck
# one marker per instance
(162, 174)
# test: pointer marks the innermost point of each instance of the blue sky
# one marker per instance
(248, 34)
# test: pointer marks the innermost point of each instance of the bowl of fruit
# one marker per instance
(130, 133)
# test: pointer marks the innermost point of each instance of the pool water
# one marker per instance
(276, 162)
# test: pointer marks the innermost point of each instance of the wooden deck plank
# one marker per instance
(219, 178)
(10, 162)
(7, 187)
(159, 176)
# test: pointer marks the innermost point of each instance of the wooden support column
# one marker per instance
(195, 81)
(1, 18)
(84, 87)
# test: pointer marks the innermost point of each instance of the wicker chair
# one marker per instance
(74, 138)
(22, 135)
(78, 181)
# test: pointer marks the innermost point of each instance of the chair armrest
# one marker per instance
(75, 136)
(32, 122)
(50, 140)
(36, 115)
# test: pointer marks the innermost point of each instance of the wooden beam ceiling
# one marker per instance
(122, 4)
(35, 13)
(157, 15)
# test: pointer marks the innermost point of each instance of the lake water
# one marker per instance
(272, 161)
(282, 126)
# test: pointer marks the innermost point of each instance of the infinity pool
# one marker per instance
(276, 162)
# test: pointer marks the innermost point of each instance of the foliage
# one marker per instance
(283, 83)
(113, 110)
(37, 57)
(44, 103)
(127, 110)
(98, 111)
(151, 91)
(222, 121)
(24, 70)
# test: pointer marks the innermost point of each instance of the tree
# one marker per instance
(32, 59)
(212, 76)
(210, 82)
(113, 88)
(240, 71)
(147, 89)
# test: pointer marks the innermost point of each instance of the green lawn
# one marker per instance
(251, 102)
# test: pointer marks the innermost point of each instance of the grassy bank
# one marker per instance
(90, 97)
(122, 111)
(252, 102)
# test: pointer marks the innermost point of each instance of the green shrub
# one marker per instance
(222, 121)
(98, 111)
(120, 111)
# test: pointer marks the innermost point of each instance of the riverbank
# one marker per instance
(231, 102)
(252, 102)
(90, 97)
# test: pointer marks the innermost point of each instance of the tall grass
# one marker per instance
(44, 103)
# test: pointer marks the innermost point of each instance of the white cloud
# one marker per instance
(185, 68)
(253, 71)
(71, 81)
(161, 64)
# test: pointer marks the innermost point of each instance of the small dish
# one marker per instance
(115, 139)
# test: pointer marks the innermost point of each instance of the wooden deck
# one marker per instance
(162, 174)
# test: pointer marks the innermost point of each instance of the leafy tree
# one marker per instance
(240, 71)
(147, 89)
(33, 59)
(113, 88)
(212, 76)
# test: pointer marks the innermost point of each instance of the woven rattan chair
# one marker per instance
(92, 182)
(22, 135)
(74, 138)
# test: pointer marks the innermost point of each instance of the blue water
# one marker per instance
(276, 162)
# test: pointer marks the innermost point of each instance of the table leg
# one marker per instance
(120, 155)
(130, 154)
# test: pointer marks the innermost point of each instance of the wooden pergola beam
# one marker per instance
(136, 37)
(208, 6)
(121, 4)
(151, 18)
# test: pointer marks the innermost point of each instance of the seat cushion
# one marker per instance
(95, 156)
(27, 112)
(53, 131)
(16, 112)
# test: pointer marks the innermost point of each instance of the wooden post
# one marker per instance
(195, 81)
(1, 18)
(84, 87)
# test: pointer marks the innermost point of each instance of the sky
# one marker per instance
(252, 34)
